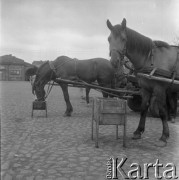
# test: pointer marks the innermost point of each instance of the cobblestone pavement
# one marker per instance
(60, 148)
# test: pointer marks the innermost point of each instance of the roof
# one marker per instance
(12, 60)
(38, 63)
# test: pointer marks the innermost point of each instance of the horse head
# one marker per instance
(31, 74)
(117, 42)
(43, 75)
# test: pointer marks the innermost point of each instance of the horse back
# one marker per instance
(89, 70)
(65, 67)
(95, 69)
(167, 58)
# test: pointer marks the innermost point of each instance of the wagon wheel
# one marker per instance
(135, 103)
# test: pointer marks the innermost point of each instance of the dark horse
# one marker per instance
(145, 53)
(71, 69)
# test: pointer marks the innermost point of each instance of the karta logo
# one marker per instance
(115, 170)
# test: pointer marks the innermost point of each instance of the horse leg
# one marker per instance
(103, 83)
(87, 95)
(146, 96)
(174, 109)
(168, 104)
(171, 105)
(69, 108)
(161, 101)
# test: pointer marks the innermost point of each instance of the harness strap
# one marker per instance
(175, 65)
(49, 90)
(151, 54)
(174, 68)
(152, 57)
(75, 65)
(52, 67)
(153, 71)
(75, 60)
(149, 57)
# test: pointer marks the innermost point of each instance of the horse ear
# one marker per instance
(110, 26)
(123, 24)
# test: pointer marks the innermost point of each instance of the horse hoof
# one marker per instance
(164, 138)
(136, 136)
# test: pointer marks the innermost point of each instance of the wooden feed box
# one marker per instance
(39, 105)
(109, 111)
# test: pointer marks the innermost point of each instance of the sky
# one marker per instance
(45, 29)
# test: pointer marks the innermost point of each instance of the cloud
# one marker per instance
(43, 28)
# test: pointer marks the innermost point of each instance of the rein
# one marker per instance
(75, 65)
(49, 89)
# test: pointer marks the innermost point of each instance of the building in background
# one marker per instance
(38, 63)
(13, 68)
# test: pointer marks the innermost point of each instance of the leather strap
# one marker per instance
(52, 67)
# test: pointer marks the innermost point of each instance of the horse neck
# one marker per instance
(136, 58)
(48, 76)
(138, 48)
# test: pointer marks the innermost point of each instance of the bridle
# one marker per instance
(120, 62)
(121, 53)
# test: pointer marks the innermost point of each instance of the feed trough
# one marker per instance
(109, 111)
(39, 105)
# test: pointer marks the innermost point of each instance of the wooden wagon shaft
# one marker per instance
(97, 86)
(70, 85)
(158, 78)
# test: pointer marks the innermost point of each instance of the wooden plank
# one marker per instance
(113, 111)
(115, 119)
(106, 112)
(112, 106)
(158, 78)
(122, 90)
(39, 105)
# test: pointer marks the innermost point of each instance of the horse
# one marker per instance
(144, 54)
(30, 74)
(67, 68)
(171, 98)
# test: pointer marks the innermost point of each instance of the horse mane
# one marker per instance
(161, 43)
(139, 42)
(42, 65)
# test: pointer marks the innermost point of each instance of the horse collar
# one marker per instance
(75, 60)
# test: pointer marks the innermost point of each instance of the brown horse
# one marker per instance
(71, 69)
(145, 53)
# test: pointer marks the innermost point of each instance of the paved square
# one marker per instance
(60, 148)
